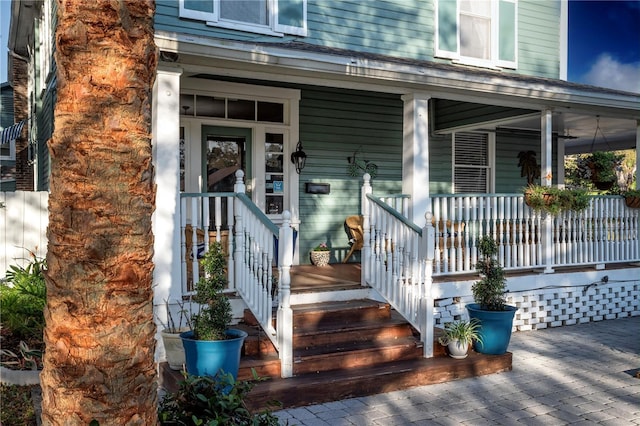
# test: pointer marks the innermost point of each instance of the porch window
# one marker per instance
(477, 32)
(274, 173)
(471, 171)
(231, 108)
(273, 17)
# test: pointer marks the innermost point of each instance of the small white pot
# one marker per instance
(173, 348)
(458, 349)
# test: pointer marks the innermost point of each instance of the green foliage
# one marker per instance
(602, 165)
(23, 296)
(463, 331)
(554, 200)
(212, 401)
(489, 292)
(215, 315)
(17, 405)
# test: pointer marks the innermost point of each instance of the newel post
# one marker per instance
(366, 247)
(426, 255)
(285, 313)
(235, 276)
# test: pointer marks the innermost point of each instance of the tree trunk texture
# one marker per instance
(99, 335)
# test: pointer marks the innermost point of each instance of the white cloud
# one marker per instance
(608, 72)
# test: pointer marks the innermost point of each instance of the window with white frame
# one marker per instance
(8, 151)
(273, 17)
(477, 32)
(471, 165)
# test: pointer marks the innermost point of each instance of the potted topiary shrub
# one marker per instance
(490, 310)
(457, 337)
(211, 346)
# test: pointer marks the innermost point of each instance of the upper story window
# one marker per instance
(478, 32)
(273, 17)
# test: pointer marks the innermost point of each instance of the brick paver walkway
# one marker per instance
(577, 375)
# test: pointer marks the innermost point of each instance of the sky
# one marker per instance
(604, 43)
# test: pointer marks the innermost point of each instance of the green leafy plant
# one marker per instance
(554, 200)
(489, 292)
(462, 331)
(321, 247)
(601, 166)
(23, 296)
(27, 359)
(17, 405)
(184, 320)
(214, 316)
(212, 401)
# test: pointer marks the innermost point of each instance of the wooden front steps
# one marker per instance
(346, 349)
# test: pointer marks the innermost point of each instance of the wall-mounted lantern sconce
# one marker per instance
(299, 158)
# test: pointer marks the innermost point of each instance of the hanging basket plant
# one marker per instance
(632, 198)
(554, 200)
(529, 166)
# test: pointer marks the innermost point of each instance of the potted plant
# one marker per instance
(320, 255)
(554, 200)
(458, 335)
(632, 198)
(490, 310)
(601, 167)
(173, 348)
(211, 346)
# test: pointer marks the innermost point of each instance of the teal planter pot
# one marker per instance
(495, 328)
(208, 357)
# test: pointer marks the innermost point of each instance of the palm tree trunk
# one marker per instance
(99, 335)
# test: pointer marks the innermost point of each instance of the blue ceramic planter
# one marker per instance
(495, 328)
(208, 357)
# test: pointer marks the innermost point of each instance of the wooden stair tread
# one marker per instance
(363, 345)
(328, 307)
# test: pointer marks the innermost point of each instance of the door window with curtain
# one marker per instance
(471, 168)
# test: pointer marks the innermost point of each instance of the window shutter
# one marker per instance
(507, 35)
(471, 160)
(447, 35)
(291, 17)
(202, 10)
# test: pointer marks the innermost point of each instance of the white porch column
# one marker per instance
(166, 162)
(415, 155)
(546, 178)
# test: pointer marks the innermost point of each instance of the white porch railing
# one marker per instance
(250, 240)
(606, 232)
(397, 261)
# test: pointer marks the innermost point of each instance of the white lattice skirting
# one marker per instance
(538, 309)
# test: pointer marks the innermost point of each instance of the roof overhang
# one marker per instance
(576, 107)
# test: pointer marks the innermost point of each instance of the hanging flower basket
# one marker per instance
(320, 258)
(632, 201)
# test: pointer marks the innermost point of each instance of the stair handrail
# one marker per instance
(256, 238)
(397, 261)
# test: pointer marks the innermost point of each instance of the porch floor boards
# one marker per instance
(344, 349)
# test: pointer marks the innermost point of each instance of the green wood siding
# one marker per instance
(539, 38)
(333, 125)
(402, 29)
(507, 173)
(440, 164)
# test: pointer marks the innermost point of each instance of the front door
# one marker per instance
(225, 151)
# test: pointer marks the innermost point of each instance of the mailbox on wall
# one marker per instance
(317, 188)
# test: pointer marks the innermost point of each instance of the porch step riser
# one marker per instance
(332, 361)
(357, 334)
(339, 385)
